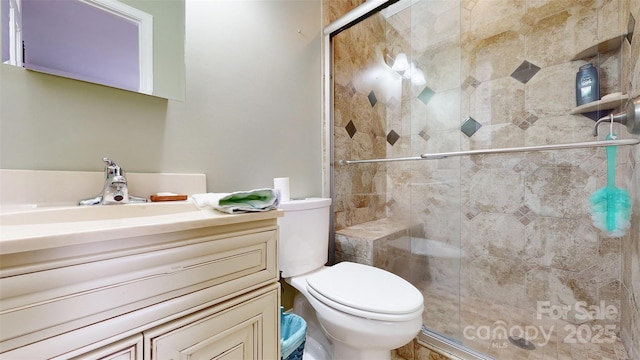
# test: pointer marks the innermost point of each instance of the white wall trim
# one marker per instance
(15, 33)
(145, 36)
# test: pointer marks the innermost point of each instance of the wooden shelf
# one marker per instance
(610, 101)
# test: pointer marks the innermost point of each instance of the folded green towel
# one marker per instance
(239, 201)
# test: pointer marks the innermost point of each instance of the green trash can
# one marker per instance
(293, 333)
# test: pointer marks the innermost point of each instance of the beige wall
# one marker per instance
(252, 109)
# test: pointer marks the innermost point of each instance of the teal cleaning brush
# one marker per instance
(611, 206)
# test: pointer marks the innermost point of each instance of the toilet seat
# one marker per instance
(366, 291)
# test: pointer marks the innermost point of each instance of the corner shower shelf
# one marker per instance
(602, 47)
(607, 102)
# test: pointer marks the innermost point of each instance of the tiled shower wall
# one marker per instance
(499, 73)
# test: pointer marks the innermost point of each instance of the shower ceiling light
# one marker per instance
(415, 75)
(401, 63)
(417, 78)
(410, 72)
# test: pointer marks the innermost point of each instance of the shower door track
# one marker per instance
(443, 155)
(451, 348)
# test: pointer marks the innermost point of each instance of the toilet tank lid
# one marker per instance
(305, 204)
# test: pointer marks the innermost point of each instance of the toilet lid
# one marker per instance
(359, 289)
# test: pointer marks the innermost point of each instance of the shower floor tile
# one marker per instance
(486, 327)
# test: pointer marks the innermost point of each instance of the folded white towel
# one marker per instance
(239, 201)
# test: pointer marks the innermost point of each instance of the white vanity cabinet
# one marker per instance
(206, 287)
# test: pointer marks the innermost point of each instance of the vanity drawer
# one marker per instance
(41, 304)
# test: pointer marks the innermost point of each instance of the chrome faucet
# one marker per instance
(114, 190)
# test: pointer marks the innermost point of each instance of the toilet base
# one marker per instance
(320, 347)
(314, 350)
(344, 352)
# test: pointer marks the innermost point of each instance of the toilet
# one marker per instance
(364, 312)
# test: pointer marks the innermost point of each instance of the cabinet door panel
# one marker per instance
(237, 342)
(247, 328)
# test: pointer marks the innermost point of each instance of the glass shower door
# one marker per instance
(431, 30)
(396, 93)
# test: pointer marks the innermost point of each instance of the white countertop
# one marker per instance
(45, 228)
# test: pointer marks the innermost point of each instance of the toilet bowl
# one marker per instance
(364, 312)
(378, 313)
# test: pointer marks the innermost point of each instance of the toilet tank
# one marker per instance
(303, 239)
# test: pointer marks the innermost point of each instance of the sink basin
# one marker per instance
(93, 213)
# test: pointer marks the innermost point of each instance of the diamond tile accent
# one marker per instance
(470, 84)
(425, 95)
(471, 211)
(372, 98)
(470, 126)
(423, 134)
(391, 203)
(525, 72)
(526, 123)
(351, 129)
(525, 220)
(525, 215)
(392, 137)
(523, 125)
(352, 89)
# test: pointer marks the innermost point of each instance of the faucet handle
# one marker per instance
(108, 161)
(112, 169)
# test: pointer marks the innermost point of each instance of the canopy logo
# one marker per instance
(499, 333)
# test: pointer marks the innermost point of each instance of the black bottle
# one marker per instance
(587, 85)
